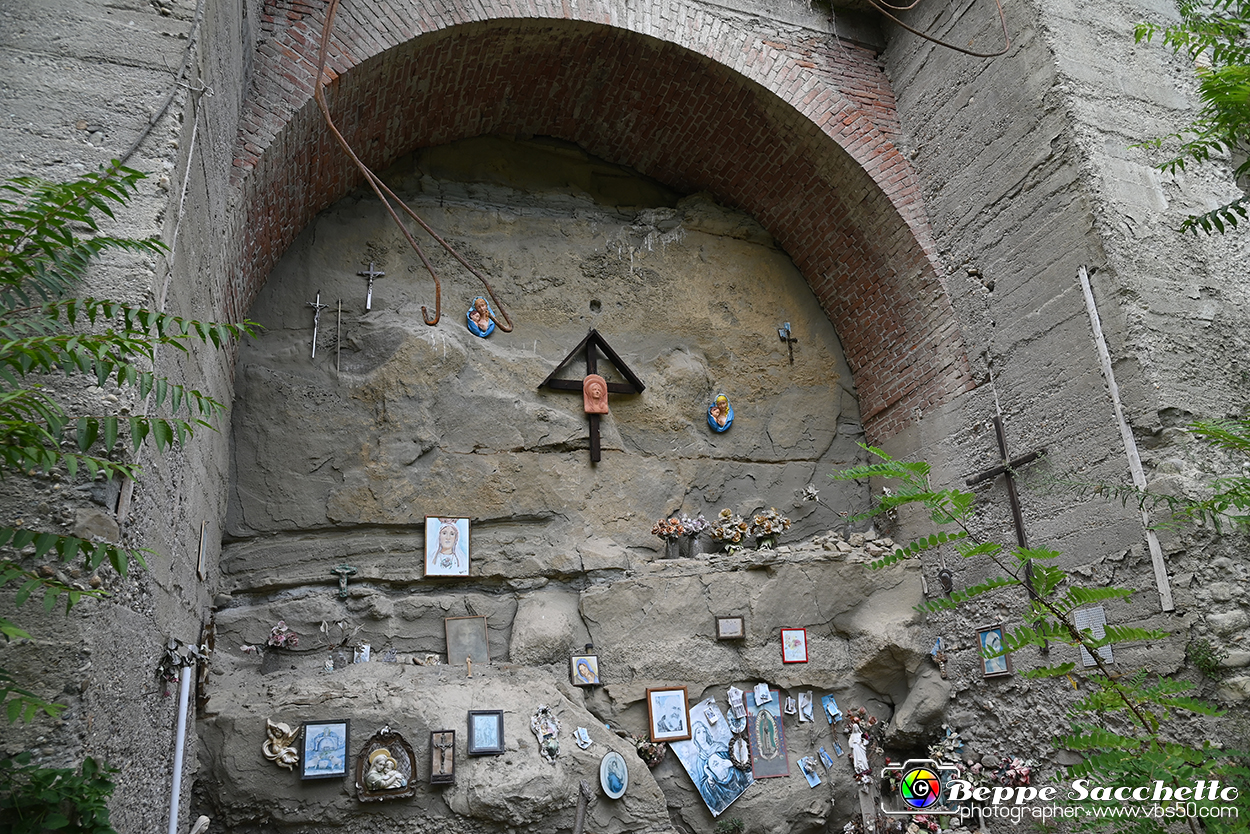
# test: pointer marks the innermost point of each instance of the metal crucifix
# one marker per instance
(317, 308)
(594, 388)
(370, 274)
(1008, 467)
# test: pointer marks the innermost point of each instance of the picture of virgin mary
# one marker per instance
(707, 760)
(446, 546)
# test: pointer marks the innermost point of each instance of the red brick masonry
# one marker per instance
(796, 132)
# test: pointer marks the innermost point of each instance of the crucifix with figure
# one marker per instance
(593, 387)
(1008, 467)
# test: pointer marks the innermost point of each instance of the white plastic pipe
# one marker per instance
(175, 792)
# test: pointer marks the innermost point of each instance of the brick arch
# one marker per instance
(800, 138)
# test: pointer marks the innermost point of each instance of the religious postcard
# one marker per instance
(830, 705)
(768, 741)
(808, 765)
(707, 761)
(446, 546)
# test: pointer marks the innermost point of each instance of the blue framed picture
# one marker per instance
(325, 749)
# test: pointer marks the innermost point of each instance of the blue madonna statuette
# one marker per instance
(481, 318)
(720, 414)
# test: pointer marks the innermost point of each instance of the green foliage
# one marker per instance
(49, 233)
(36, 799)
(1141, 702)
(731, 826)
(1215, 34)
(1207, 658)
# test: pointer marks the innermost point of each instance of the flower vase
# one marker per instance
(697, 546)
(672, 548)
(274, 659)
(765, 542)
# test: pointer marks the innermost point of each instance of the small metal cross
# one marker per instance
(784, 333)
(317, 308)
(371, 274)
(342, 572)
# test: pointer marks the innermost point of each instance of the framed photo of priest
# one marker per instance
(668, 716)
(794, 645)
(446, 546)
(994, 661)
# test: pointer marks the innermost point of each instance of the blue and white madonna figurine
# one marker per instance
(720, 414)
(481, 318)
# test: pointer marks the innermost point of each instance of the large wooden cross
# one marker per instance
(1008, 467)
(588, 348)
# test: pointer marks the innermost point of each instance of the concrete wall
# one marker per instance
(82, 82)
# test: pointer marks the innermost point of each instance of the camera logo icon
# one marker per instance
(922, 788)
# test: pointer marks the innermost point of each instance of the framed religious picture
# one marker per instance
(442, 757)
(613, 775)
(584, 669)
(325, 749)
(485, 732)
(667, 715)
(794, 645)
(446, 546)
(730, 628)
(994, 661)
(466, 640)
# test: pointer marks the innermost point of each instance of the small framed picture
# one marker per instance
(794, 645)
(485, 732)
(613, 775)
(325, 749)
(730, 628)
(442, 757)
(584, 669)
(994, 661)
(667, 711)
(446, 546)
(466, 640)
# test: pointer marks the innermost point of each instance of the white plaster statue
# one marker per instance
(279, 747)
(859, 752)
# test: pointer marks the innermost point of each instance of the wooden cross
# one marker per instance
(1008, 467)
(587, 348)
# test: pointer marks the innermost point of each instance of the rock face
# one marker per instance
(339, 460)
(652, 627)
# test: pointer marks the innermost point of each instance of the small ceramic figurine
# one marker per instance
(279, 747)
(480, 318)
(720, 414)
(595, 394)
(546, 728)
